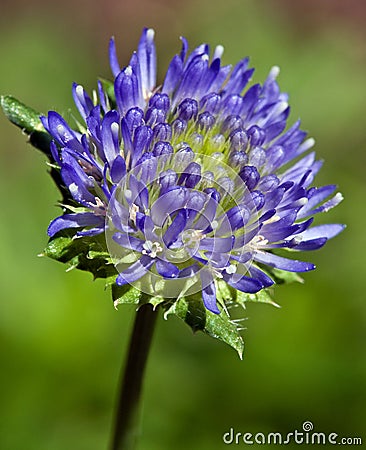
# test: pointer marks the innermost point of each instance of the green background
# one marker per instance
(61, 341)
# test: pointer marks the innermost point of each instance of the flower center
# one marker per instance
(151, 248)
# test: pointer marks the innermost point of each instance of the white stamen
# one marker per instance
(274, 72)
(231, 269)
(79, 90)
(150, 34)
(128, 71)
(219, 50)
(73, 188)
(259, 241)
(128, 194)
(134, 209)
(115, 127)
(99, 207)
(60, 129)
(302, 201)
(280, 108)
(151, 248)
(306, 145)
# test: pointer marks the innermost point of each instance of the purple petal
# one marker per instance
(61, 131)
(216, 244)
(127, 89)
(77, 220)
(327, 231)
(243, 283)
(136, 271)
(128, 241)
(141, 142)
(91, 232)
(291, 265)
(82, 100)
(261, 276)
(209, 292)
(173, 75)
(166, 269)
(166, 204)
(110, 136)
(76, 185)
(176, 227)
(113, 60)
(147, 57)
(118, 169)
(311, 244)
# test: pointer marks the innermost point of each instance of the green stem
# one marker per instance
(126, 424)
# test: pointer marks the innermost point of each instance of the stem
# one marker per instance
(126, 420)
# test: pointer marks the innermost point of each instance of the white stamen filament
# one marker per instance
(134, 209)
(151, 248)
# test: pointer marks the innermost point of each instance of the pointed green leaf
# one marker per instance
(282, 276)
(192, 311)
(28, 120)
(262, 296)
(126, 294)
(88, 254)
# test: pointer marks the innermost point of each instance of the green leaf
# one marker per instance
(126, 294)
(282, 276)
(192, 311)
(28, 120)
(89, 254)
(262, 296)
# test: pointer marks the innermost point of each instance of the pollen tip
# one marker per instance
(274, 72)
(150, 34)
(79, 90)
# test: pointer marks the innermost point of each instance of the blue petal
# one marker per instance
(76, 185)
(136, 271)
(118, 169)
(173, 75)
(128, 241)
(60, 130)
(311, 244)
(110, 136)
(177, 226)
(209, 292)
(191, 175)
(166, 269)
(147, 57)
(77, 220)
(243, 283)
(291, 265)
(142, 139)
(169, 202)
(261, 276)
(216, 244)
(127, 89)
(113, 60)
(322, 231)
(82, 100)
(167, 180)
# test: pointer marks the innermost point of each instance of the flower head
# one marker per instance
(195, 181)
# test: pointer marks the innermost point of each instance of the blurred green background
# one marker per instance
(61, 341)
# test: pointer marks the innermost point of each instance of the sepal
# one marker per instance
(88, 254)
(219, 326)
(29, 121)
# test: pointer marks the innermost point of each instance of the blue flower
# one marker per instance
(195, 181)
